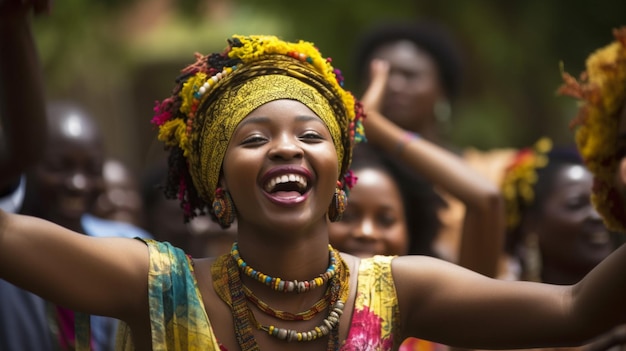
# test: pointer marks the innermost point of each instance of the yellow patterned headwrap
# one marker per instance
(601, 91)
(218, 91)
(232, 107)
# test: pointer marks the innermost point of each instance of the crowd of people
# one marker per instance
(291, 214)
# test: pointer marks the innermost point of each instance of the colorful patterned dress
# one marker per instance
(179, 321)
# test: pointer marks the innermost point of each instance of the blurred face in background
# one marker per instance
(209, 238)
(69, 178)
(413, 87)
(374, 222)
(571, 233)
(121, 200)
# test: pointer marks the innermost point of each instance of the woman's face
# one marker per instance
(69, 176)
(374, 222)
(571, 233)
(281, 166)
(413, 87)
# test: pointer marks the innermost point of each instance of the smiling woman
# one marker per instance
(264, 132)
(268, 154)
(554, 233)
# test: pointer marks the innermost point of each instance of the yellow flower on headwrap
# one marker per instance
(520, 177)
(190, 88)
(173, 134)
(601, 91)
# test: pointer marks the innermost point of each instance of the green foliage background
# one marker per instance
(118, 57)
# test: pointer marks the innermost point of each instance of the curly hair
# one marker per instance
(601, 91)
(428, 36)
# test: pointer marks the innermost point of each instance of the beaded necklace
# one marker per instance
(318, 307)
(228, 285)
(286, 285)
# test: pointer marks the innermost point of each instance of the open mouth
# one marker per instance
(287, 184)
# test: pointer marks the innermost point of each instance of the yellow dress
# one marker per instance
(179, 321)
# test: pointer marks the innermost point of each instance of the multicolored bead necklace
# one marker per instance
(228, 285)
(318, 307)
(286, 285)
(329, 325)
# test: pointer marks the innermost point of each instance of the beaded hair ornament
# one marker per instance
(520, 177)
(601, 91)
(216, 92)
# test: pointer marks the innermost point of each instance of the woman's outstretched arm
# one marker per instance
(104, 276)
(446, 303)
(483, 227)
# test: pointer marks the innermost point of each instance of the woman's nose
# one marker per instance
(77, 181)
(365, 230)
(285, 147)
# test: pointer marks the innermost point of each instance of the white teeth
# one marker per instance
(286, 178)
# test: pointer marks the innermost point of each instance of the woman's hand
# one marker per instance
(371, 100)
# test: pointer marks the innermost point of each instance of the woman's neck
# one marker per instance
(289, 255)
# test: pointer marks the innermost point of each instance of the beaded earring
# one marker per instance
(338, 204)
(224, 208)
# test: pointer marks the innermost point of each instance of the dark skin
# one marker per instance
(372, 224)
(286, 235)
(121, 200)
(21, 91)
(65, 183)
(572, 237)
(483, 222)
(100, 282)
(412, 89)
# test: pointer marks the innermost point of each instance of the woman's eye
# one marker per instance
(254, 139)
(386, 221)
(311, 136)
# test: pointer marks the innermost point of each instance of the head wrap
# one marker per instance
(520, 177)
(219, 90)
(601, 91)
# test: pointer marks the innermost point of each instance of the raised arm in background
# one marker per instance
(483, 225)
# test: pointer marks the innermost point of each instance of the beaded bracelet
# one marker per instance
(406, 138)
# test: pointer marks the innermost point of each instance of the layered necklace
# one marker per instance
(227, 283)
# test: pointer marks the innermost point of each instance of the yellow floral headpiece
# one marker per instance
(216, 92)
(520, 177)
(601, 91)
